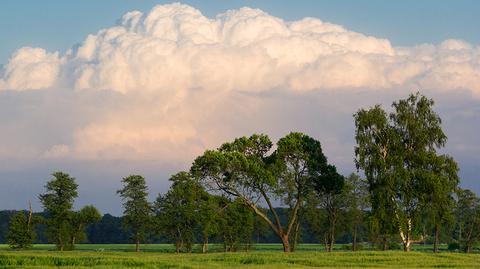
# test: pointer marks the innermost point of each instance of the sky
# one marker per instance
(105, 89)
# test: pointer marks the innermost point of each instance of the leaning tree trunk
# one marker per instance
(286, 243)
(296, 236)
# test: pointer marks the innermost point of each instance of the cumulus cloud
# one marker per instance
(174, 47)
(179, 79)
(152, 92)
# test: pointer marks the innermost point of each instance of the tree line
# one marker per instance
(410, 192)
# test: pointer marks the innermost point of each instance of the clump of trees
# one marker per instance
(251, 186)
(65, 227)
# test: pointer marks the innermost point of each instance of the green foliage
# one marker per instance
(79, 222)
(178, 212)
(398, 156)
(21, 233)
(243, 169)
(468, 217)
(57, 202)
(137, 210)
(237, 223)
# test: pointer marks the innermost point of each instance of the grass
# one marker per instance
(266, 256)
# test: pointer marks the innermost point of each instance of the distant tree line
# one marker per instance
(249, 190)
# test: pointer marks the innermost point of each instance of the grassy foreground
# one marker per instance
(257, 259)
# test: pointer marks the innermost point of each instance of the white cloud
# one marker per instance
(181, 82)
(30, 68)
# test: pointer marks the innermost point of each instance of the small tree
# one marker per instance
(79, 222)
(177, 211)
(137, 210)
(357, 199)
(468, 216)
(237, 224)
(21, 233)
(330, 192)
(57, 202)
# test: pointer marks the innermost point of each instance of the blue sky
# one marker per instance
(151, 92)
(57, 24)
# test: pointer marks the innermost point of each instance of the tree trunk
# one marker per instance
(137, 245)
(331, 239)
(406, 236)
(205, 245)
(325, 241)
(384, 242)
(354, 243)
(296, 236)
(285, 243)
(60, 242)
(436, 241)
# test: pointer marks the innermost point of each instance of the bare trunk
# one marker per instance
(205, 245)
(137, 245)
(30, 213)
(436, 241)
(406, 236)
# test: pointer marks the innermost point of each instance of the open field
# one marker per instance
(311, 256)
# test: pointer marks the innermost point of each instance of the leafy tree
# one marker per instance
(137, 210)
(57, 202)
(177, 212)
(440, 202)
(243, 169)
(79, 222)
(21, 233)
(468, 216)
(330, 192)
(357, 200)
(398, 155)
(208, 217)
(237, 222)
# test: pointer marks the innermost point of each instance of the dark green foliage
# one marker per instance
(79, 222)
(331, 196)
(21, 233)
(243, 169)
(137, 210)
(178, 211)
(57, 202)
(237, 224)
(468, 219)
(107, 231)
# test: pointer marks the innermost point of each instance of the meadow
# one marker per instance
(264, 256)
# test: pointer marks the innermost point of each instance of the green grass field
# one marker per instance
(265, 256)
